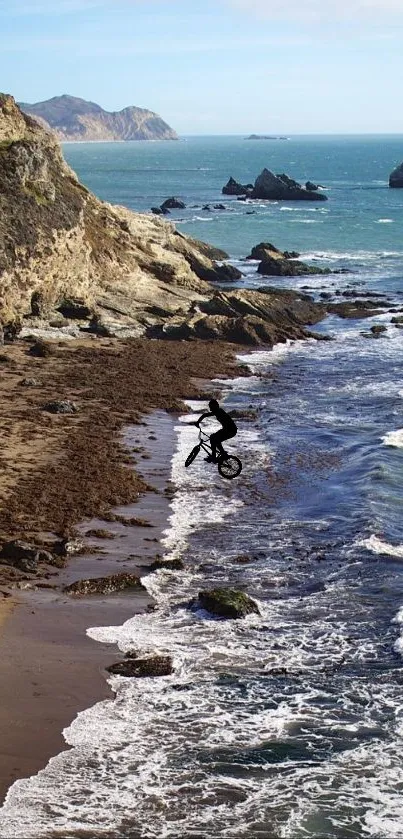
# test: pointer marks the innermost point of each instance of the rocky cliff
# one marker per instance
(66, 254)
(74, 119)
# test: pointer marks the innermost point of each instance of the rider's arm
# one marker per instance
(203, 416)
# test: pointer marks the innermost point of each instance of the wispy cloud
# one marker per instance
(112, 47)
(323, 11)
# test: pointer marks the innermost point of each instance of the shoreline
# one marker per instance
(50, 668)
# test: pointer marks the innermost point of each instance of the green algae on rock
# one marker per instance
(227, 603)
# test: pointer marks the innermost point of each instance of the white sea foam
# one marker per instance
(385, 221)
(378, 546)
(393, 438)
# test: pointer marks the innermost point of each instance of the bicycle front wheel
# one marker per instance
(193, 454)
(230, 467)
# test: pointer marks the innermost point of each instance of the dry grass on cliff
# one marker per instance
(56, 470)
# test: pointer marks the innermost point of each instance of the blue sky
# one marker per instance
(217, 66)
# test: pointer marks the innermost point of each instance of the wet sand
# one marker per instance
(50, 669)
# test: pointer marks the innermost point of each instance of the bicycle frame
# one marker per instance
(205, 444)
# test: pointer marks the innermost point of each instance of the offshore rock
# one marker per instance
(173, 204)
(235, 188)
(227, 603)
(276, 263)
(269, 186)
(396, 177)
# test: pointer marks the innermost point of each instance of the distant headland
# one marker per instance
(76, 120)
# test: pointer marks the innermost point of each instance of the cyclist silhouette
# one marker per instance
(228, 430)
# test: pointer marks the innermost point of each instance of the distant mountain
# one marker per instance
(74, 119)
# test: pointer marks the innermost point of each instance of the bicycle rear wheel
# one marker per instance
(193, 454)
(230, 467)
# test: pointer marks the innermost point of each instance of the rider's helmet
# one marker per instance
(213, 405)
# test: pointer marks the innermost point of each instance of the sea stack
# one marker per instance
(396, 177)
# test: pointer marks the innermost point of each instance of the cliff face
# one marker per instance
(74, 119)
(59, 243)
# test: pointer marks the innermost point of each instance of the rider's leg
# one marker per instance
(216, 440)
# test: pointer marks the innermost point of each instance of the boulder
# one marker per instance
(235, 188)
(30, 383)
(158, 211)
(62, 406)
(311, 187)
(173, 204)
(104, 585)
(69, 547)
(23, 556)
(378, 329)
(227, 603)
(160, 665)
(291, 254)
(396, 177)
(262, 250)
(274, 266)
(269, 186)
(167, 564)
(41, 349)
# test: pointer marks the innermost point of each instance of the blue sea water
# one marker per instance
(290, 723)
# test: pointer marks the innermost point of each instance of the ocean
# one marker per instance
(287, 724)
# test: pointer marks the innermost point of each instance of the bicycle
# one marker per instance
(228, 465)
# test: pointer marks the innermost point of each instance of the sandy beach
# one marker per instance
(69, 475)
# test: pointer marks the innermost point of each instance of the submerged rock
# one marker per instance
(104, 585)
(355, 309)
(227, 603)
(143, 667)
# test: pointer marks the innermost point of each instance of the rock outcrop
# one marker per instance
(65, 252)
(74, 119)
(158, 665)
(104, 585)
(396, 177)
(276, 263)
(227, 603)
(281, 187)
(271, 187)
(235, 188)
(267, 316)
